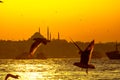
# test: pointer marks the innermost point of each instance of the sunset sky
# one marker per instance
(82, 20)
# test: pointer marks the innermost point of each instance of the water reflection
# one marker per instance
(31, 76)
(54, 69)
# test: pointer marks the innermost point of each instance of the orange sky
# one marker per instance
(81, 20)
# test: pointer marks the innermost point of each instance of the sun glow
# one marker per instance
(82, 19)
(31, 76)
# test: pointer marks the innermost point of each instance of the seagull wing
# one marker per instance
(11, 75)
(77, 46)
(34, 45)
(7, 76)
(87, 53)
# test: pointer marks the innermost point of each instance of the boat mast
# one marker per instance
(116, 46)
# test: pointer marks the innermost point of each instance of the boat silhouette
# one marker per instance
(114, 54)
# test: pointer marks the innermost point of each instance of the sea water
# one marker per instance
(59, 69)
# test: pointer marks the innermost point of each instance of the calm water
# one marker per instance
(59, 69)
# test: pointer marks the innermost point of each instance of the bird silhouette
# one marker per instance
(36, 44)
(85, 56)
(11, 75)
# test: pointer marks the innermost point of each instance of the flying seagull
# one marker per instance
(85, 56)
(11, 75)
(36, 44)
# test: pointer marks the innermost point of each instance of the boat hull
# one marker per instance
(113, 55)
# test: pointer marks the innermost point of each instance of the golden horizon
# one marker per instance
(81, 20)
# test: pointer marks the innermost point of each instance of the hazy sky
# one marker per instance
(81, 20)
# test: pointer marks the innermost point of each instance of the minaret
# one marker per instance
(58, 36)
(39, 30)
(116, 46)
(50, 36)
(48, 33)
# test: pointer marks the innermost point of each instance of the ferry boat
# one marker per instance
(114, 54)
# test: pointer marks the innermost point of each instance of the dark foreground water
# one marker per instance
(59, 69)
